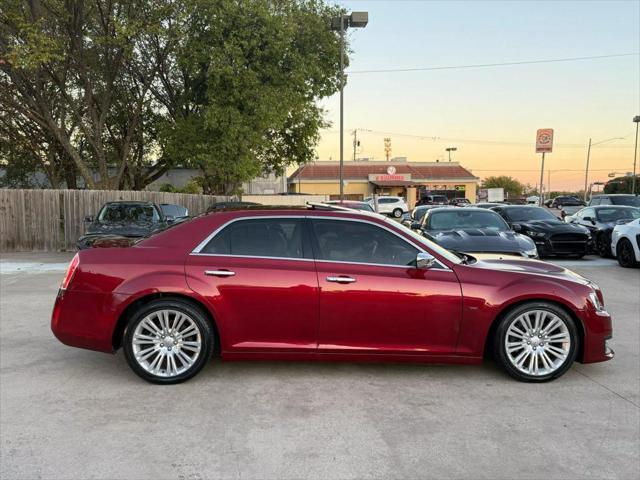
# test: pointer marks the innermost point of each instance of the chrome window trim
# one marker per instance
(197, 251)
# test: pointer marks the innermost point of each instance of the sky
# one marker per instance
(491, 114)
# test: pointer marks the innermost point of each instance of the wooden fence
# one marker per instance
(52, 220)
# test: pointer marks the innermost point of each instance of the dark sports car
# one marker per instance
(601, 220)
(474, 230)
(121, 220)
(551, 235)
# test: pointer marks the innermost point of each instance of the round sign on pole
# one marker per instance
(544, 140)
(391, 170)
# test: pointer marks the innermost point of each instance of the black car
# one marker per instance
(433, 200)
(615, 199)
(475, 230)
(551, 235)
(566, 201)
(230, 205)
(601, 220)
(122, 219)
(414, 219)
(488, 205)
(459, 202)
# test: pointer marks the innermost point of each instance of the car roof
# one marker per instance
(128, 202)
(598, 207)
(599, 195)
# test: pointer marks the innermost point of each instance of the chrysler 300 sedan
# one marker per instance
(323, 284)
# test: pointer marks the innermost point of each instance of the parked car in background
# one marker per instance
(533, 200)
(561, 201)
(600, 220)
(475, 230)
(551, 235)
(415, 217)
(433, 200)
(231, 205)
(318, 284)
(548, 202)
(352, 204)
(173, 212)
(118, 221)
(625, 243)
(567, 211)
(459, 202)
(615, 199)
(394, 206)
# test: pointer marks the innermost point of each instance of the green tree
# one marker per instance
(512, 187)
(621, 184)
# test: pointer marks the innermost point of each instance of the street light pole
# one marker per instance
(451, 149)
(636, 119)
(356, 20)
(586, 171)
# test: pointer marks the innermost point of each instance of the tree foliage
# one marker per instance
(622, 184)
(512, 187)
(118, 91)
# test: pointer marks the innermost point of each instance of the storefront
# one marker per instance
(410, 180)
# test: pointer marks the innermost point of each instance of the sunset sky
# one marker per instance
(491, 114)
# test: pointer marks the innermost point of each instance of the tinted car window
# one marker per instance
(594, 201)
(630, 200)
(279, 237)
(387, 200)
(614, 214)
(453, 220)
(172, 210)
(524, 214)
(357, 242)
(605, 201)
(128, 212)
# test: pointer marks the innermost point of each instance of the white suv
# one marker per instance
(625, 243)
(394, 206)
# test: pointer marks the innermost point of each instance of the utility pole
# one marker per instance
(549, 182)
(355, 143)
(586, 171)
(636, 119)
(542, 181)
(387, 147)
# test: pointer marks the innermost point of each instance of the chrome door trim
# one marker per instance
(340, 279)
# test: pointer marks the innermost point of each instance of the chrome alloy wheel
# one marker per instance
(537, 342)
(166, 343)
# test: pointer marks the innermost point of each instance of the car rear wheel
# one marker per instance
(536, 342)
(626, 255)
(168, 341)
(397, 213)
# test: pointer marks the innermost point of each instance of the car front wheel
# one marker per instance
(626, 255)
(397, 213)
(603, 245)
(536, 342)
(168, 341)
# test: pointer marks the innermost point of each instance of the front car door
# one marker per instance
(372, 297)
(259, 277)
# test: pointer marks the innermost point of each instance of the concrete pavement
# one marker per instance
(69, 413)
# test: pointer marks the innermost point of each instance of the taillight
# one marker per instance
(71, 270)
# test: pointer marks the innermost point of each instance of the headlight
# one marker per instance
(595, 301)
(533, 253)
(537, 234)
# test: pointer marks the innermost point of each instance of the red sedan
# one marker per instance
(302, 284)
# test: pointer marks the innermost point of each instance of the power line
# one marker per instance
(488, 65)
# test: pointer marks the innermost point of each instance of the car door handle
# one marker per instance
(341, 279)
(219, 273)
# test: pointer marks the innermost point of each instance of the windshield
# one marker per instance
(630, 200)
(463, 218)
(608, 215)
(418, 213)
(128, 213)
(525, 214)
(443, 252)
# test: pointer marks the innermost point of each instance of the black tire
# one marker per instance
(499, 347)
(625, 254)
(202, 324)
(603, 246)
(397, 213)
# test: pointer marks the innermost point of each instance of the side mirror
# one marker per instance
(88, 219)
(415, 225)
(424, 260)
(589, 219)
(516, 227)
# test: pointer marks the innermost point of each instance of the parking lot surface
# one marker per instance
(70, 413)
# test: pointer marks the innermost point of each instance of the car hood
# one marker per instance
(481, 240)
(525, 265)
(123, 229)
(552, 226)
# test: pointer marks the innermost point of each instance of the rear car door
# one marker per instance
(373, 299)
(259, 277)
